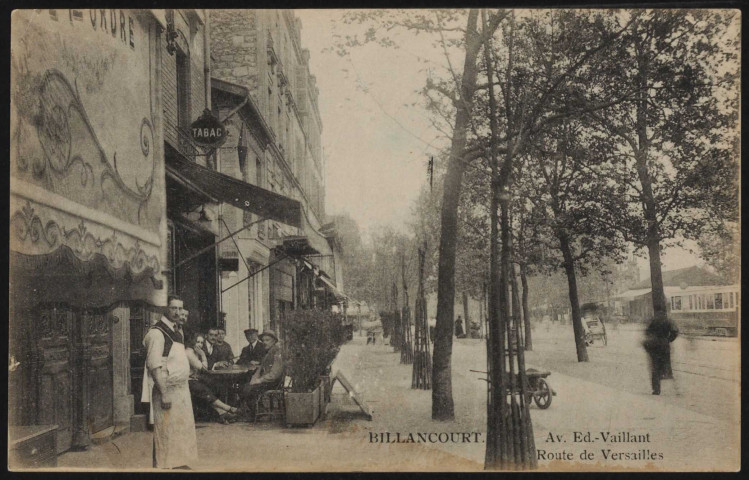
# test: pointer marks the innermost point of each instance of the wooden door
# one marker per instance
(55, 399)
(142, 316)
(96, 330)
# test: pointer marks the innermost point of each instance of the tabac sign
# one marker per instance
(208, 131)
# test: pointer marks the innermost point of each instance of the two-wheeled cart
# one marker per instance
(537, 387)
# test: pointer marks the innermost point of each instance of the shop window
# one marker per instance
(718, 301)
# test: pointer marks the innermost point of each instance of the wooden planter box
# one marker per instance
(303, 408)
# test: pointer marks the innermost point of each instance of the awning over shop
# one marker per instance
(235, 192)
(332, 289)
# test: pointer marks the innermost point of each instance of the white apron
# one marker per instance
(175, 441)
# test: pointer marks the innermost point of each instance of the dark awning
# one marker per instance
(235, 192)
(332, 288)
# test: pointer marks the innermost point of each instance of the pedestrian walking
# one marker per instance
(166, 388)
(658, 337)
(459, 332)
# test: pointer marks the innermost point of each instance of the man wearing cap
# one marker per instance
(269, 373)
(165, 387)
(254, 352)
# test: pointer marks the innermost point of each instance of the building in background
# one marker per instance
(266, 95)
(697, 301)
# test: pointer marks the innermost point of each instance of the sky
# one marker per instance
(376, 141)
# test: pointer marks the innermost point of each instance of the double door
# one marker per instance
(65, 376)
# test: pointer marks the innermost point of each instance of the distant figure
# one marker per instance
(658, 337)
(432, 326)
(459, 327)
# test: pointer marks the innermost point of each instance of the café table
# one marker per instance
(228, 381)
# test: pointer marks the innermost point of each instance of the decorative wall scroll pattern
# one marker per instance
(48, 236)
(64, 130)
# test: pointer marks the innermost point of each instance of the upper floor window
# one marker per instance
(183, 89)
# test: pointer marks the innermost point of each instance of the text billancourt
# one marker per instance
(433, 437)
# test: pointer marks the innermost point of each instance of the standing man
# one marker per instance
(658, 337)
(459, 327)
(166, 388)
(254, 352)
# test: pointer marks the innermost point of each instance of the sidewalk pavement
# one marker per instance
(678, 439)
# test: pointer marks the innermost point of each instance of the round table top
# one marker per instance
(234, 370)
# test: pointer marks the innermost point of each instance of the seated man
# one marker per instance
(253, 353)
(268, 375)
(219, 352)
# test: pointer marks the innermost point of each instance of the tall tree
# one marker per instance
(672, 145)
(559, 181)
(461, 87)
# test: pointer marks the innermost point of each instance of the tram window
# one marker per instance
(718, 301)
(676, 303)
(730, 299)
(710, 302)
(689, 302)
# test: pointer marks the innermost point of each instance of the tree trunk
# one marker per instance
(442, 398)
(466, 322)
(577, 323)
(526, 310)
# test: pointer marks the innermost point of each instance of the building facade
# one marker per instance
(264, 92)
(114, 205)
(87, 213)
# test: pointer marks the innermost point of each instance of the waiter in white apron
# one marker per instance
(165, 387)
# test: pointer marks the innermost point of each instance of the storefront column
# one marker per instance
(124, 406)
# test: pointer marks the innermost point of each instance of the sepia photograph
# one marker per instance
(374, 240)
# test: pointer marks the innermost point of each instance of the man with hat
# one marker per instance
(268, 375)
(253, 353)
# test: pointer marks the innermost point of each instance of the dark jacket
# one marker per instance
(250, 354)
(220, 353)
(659, 334)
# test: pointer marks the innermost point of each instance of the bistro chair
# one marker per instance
(271, 403)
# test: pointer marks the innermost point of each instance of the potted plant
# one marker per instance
(312, 341)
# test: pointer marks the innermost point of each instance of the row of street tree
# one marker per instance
(575, 136)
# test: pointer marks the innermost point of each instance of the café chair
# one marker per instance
(271, 403)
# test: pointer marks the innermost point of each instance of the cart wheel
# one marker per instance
(542, 396)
